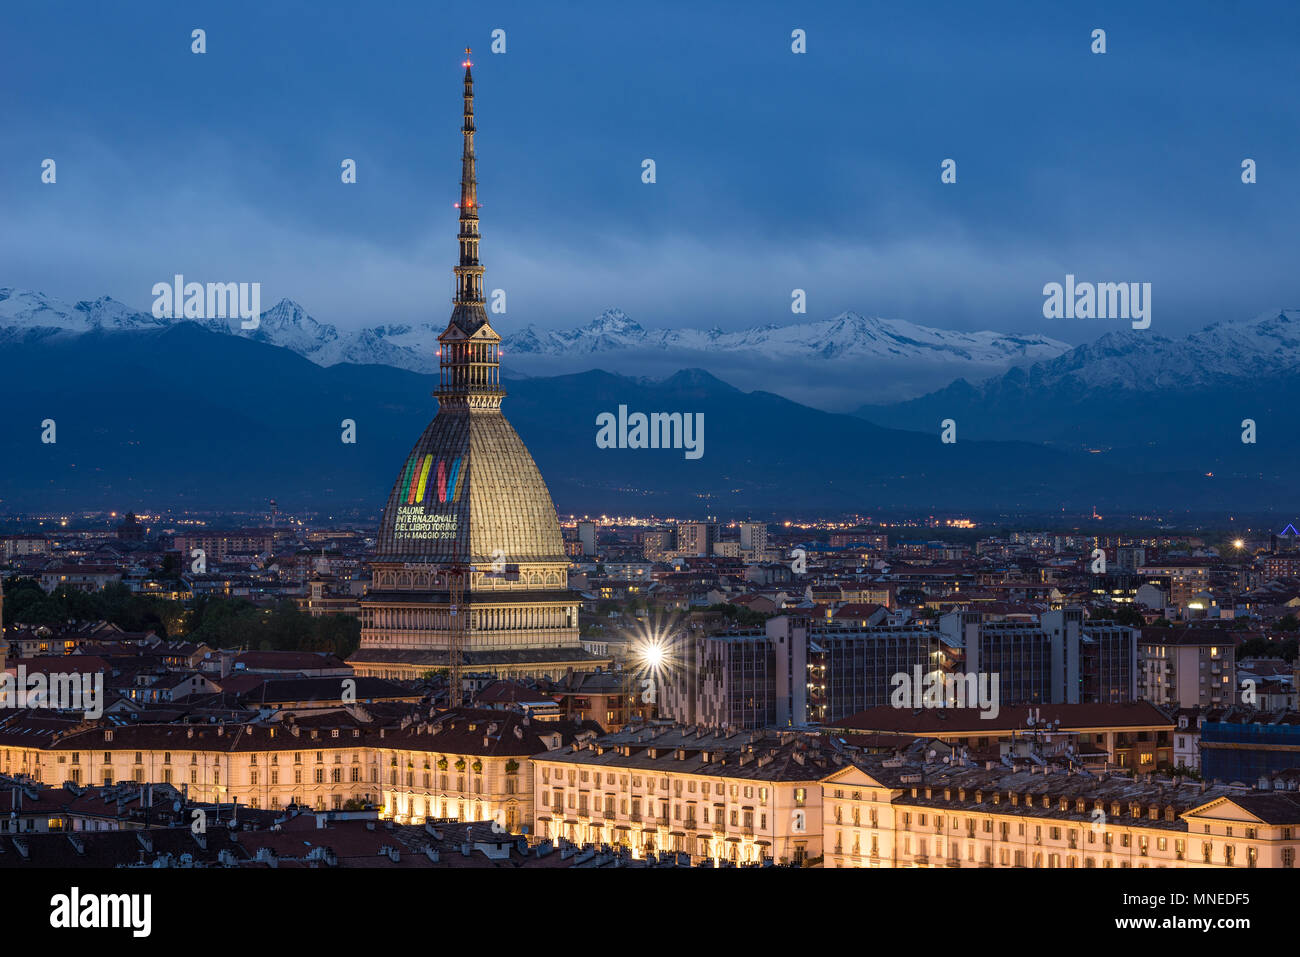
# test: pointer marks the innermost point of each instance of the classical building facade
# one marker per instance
(892, 813)
(469, 765)
(726, 796)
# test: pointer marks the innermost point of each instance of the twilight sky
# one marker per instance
(775, 170)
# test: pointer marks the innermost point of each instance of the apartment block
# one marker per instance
(1188, 667)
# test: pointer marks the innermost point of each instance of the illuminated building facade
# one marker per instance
(469, 494)
(739, 796)
(891, 813)
(470, 765)
(728, 797)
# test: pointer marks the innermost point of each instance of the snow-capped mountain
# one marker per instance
(846, 336)
(26, 314)
(401, 346)
(30, 315)
(1133, 360)
(287, 324)
(842, 362)
(1144, 396)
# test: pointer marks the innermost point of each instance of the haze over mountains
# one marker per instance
(188, 412)
(1141, 398)
(184, 415)
(821, 361)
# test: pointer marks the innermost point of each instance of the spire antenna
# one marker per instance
(469, 273)
(469, 350)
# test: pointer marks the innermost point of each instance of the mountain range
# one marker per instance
(185, 415)
(1218, 404)
(192, 412)
(835, 350)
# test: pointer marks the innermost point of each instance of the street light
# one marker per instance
(653, 655)
(650, 656)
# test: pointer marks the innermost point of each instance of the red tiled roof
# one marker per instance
(59, 664)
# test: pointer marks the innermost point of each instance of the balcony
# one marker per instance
(747, 830)
(690, 824)
(662, 820)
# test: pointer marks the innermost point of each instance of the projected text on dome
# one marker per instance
(413, 523)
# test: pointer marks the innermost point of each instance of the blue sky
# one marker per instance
(775, 170)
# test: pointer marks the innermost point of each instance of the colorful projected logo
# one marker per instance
(424, 474)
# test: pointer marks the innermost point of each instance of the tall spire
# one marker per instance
(469, 274)
(469, 348)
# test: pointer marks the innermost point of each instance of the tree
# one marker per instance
(1258, 647)
(1129, 615)
(912, 596)
(747, 617)
(21, 594)
(170, 571)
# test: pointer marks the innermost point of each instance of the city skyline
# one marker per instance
(431, 583)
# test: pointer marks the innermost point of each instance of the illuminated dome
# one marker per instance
(469, 490)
